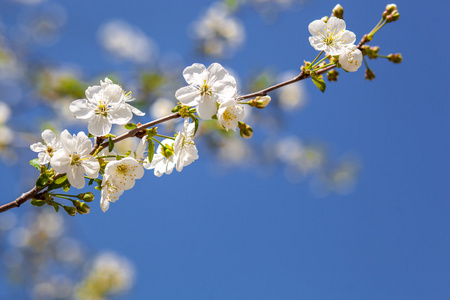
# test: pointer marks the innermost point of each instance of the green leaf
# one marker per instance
(110, 144)
(196, 124)
(55, 206)
(42, 181)
(90, 135)
(319, 82)
(58, 183)
(35, 163)
(130, 126)
(37, 202)
(66, 187)
(91, 181)
(151, 149)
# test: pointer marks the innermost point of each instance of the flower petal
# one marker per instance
(76, 177)
(191, 73)
(48, 136)
(207, 108)
(188, 95)
(99, 125)
(121, 116)
(81, 109)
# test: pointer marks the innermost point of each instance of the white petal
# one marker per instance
(60, 161)
(121, 116)
(104, 203)
(68, 142)
(44, 158)
(38, 147)
(217, 71)
(48, 136)
(188, 95)
(92, 90)
(316, 26)
(135, 111)
(99, 125)
(76, 177)
(91, 167)
(80, 109)
(207, 108)
(191, 73)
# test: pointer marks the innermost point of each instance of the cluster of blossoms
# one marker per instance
(75, 155)
(331, 37)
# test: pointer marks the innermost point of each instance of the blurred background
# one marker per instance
(338, 195)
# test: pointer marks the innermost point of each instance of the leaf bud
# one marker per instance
(38, 202)
(88, 197)
(338, 11)
(245, 130)
(82, 208)
(332, 75)
(72, 211)
(395, 58)
(370, 75)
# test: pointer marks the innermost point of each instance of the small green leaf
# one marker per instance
(66, 187)
(42, 181)
(90, 135)
(35, 163)
(151, 149)
(130, 126)
(196, 125)
(37, 202)
(319, 82)
(55, 206)
(58, 183)
(91, 181)
(110, 144)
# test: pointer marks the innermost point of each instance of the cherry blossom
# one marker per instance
(230, 113)
(331, 36)
(351, 59)
(206, 87)
(184, 146)
(123, 173)
(74, 159)
(164, 159)
(46, 151)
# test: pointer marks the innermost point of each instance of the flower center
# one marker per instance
(205, 89)
(122, 169)
(102, 109)
(75, 159)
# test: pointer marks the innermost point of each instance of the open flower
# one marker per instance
(164, 159)
(46, 151)
(351, 59)
(331, 36)
(206, 87)
(105, 105)
(127, 97)
(230, 113)
(110, 193)
(74, 159)
(184, 146)
(123, 173)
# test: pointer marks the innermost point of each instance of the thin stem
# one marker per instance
(159, 143)
(166, 136)
(317, 57)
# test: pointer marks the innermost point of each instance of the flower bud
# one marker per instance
(88, 197)
(332, 75)
(72, 211)
(390, 8)
(82, 208)
(152, 131)
(325, 19)
(395, 58)
(338, 11)
(370, 75)
(245, 130)
(260, 101)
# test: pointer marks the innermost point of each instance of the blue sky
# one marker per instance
(239, 234)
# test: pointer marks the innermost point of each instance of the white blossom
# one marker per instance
(206, 87)
(331, 36)
(351, 59)
(230, 113)
(123, 173)
(105, 105)
(184, 146)
(109, 193)
(46, 151)
(164, 159)
(74, 159)
(127, 97)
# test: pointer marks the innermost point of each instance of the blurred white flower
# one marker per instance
(218, 31)
(161, 108)
(126, 42)
(5, 112)
(292, 96)
(123, 173)
(230, 112)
